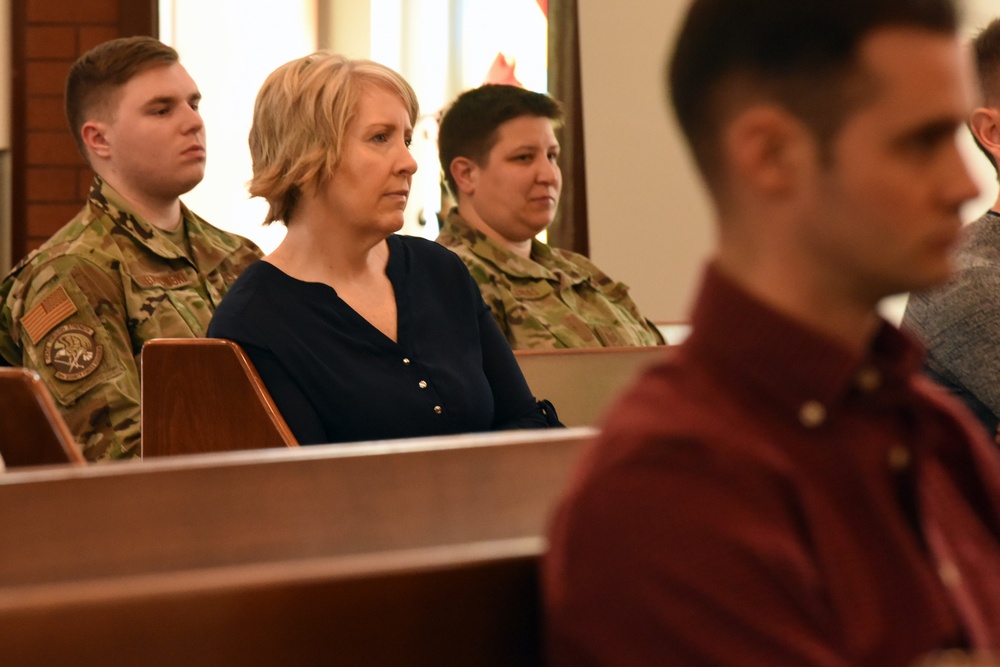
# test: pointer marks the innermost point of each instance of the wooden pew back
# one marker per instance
(582, 382)
(204, 395)
(406, 553)
(32, 431)
(474, 604)
(214, 510)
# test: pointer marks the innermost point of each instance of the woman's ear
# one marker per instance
(464, 171)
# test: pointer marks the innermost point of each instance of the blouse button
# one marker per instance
(437, 409)
(406, 361)
(422, 384)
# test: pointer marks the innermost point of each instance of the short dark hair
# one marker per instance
(469, 126)
(986, 47)
(94, 77)
(800, 54)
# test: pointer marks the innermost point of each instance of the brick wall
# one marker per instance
(50, 179)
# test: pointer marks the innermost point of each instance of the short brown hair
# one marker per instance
(96, 75)
(299, 120)
(469, 126)
(986, 47)
(800, 54)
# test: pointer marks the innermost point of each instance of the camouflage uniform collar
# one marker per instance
(545, 262)
(111, 204)
(208, 246)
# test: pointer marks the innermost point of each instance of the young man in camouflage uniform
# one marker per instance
(135, 263)
(500, 155)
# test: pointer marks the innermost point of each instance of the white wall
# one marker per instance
(348, 27)
(650, 220)
(229, 47)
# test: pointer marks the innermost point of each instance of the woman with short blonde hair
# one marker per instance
(357, 332)
(299, 119)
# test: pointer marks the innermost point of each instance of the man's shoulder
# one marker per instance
(85, 239)
(966, 293)
(672, 399)
(673, 432)
(677, 409)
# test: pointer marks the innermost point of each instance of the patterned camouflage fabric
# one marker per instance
(556, 299)
(79, 309)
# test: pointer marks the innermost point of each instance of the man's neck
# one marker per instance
(805, 297)
(163, 213)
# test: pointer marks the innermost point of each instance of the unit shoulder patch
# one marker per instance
(72, 352)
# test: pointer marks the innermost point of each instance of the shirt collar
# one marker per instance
(544, 263)
(761, 350)
(208, 247)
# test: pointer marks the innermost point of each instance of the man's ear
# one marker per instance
(94, 134)
(768, 148)
(464, 171)
(985, 126)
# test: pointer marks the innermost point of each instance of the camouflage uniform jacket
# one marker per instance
(78, 310)
(556, 299)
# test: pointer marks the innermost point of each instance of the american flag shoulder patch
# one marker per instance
(45, 315)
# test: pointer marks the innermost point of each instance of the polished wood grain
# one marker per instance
(471, 604)
(32, 431)
(213, 510)
(204, 395)
(408, 552)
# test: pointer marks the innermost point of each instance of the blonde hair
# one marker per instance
(299, 120)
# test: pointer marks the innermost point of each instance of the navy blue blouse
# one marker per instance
(336, 378)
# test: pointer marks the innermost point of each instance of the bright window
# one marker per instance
(441, 46)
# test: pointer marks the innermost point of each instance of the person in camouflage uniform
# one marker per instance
(499, 155)
(135, 263)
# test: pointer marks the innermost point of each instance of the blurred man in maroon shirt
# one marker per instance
(787, 489)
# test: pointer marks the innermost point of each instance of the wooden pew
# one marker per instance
(400, 552)
(475, 604)
(582, 382)
(212, 510)
(32, 431)
(204, 395)
(201, 395)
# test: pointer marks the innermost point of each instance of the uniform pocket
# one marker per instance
(166, 305)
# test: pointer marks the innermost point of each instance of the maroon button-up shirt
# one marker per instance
(765, 497)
